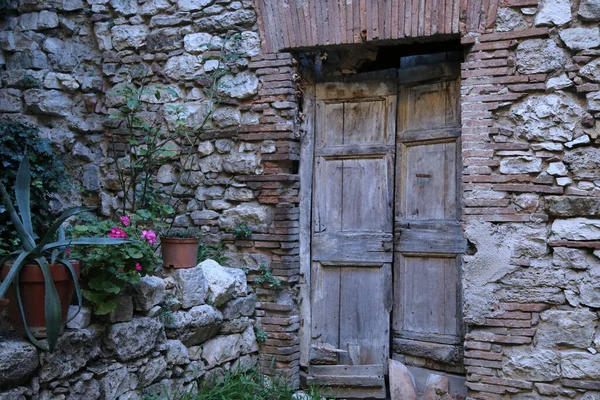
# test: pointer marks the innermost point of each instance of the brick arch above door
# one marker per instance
(292, 24)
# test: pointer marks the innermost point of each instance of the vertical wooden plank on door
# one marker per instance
(325, 302)
(343, 28)
(427, 230)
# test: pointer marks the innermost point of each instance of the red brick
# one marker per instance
(525, 33)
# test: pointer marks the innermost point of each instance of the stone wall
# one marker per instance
(530, 89)
(530, 101)
(76, 51)
(169, 335)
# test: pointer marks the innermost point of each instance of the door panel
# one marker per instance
(427, 233)
(352, 231)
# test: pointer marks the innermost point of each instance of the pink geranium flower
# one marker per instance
(125, 220)
(138, 266)
(117, 233)
(150, 236)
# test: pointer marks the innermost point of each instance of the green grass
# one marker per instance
(250, 384)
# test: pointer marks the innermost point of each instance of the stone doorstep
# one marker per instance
(457, 383)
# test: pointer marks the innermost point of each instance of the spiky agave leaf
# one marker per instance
(13, 273)
(68, 264)
(85, 242)
(23, 194)
(57, 225)
(26, 239)
(52, 308)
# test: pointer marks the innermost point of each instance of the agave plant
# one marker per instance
(44, 252)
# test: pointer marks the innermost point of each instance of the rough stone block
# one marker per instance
(73, 351)
(130, 340)
(149, 291)
(18, 361)
(196, 326)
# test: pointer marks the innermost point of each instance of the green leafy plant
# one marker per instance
(241, 230)
(266, 276)
(43, 250)
(29, 82)
(261, 335)
(216, 253)
(47, 175)
(237, 384)
(106, 273)
(182, 233)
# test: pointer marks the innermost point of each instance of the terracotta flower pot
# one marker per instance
(33, 290)
(179, 252)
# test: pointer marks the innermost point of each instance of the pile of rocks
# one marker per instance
(172, 332)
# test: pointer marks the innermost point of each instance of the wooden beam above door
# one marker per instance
(294, 24)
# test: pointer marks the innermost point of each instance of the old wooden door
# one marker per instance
(428, 237)
(386, 165)
(352, 234)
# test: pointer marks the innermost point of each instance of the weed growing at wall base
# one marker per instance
(244, 384)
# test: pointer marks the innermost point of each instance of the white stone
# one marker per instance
(128, 36)
(564, 181)
(591, 70)
(149, 292)
(153, 7)
(577, 229)
(583, 162)
(221, 349)
(520, 165)
(593, 101)
(158, 94)
(166, 174)
(536, 365)
(125, 7)
(51, 102)
(557, 169)
(212, 65)
(560, 82)
(529, 10)
(241, 86)
(572, 328)
(509, 19)
(540, 56)
(581, 140)
(18, 361)
(225, 117)
(47, 20)
(589, 10)
(581, 38)
(196, 326)
(191, 285)
(206, 148)
(197, 42)
(590, 294)
(248, 44)
(553, 12)
(555, 117)
(548, 146)
(80, 320)
(258, 217)
(221, 284)
(193, 5)
(60, 81)
(185, 66)
(580, 365)
(241, 163)
(177, 353)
